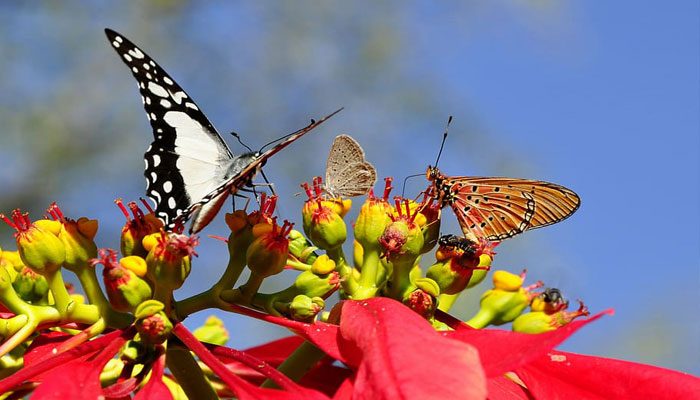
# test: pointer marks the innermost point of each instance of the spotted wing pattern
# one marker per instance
(184, 161)
(189, 168)
(500, 208)
(348, 174)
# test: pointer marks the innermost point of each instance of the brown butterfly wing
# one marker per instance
(500, 208)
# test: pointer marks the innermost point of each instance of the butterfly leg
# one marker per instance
(268, 183)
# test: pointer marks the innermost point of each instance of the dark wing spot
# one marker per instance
(474, 188)
(497, 189)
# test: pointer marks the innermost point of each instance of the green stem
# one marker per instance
(348, 281)
(164, 295)
(88, 280)
(482, 319)
(400, 281)
(446, 301)
(64, 303)
(298, 265)
(298, 363)
(249, 288)
(371, 264)
(187, 372)
(211, 297)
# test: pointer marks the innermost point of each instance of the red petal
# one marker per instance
(502, 388)
(325, 377)
(560, 375)
(28, 372)
(79, 379)
(400, 355)
(502, 351)
(243, 389)
(345, 390)
(276, 351)
(155, 388)
(42, 346)
(324, 336)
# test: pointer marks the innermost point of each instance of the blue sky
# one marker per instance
(602, 97)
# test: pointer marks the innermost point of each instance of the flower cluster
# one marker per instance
(374, 325)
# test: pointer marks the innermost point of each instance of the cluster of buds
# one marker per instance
(389, 241)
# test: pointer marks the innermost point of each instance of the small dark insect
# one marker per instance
(552, 295)
(462, 243)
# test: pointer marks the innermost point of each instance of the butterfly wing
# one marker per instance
(184, 161)
(355, 179)
(347, 172)
(241, 171)
(500, 208)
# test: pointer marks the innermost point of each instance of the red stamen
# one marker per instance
(136, 211)
(218, 238)
(387, 188)
(263, 196)
(145, 204)
(286, 228)
(408, 210)
(271, 204)
(370, 194)
(317, 186)
(9, 222)
(58, 212)
(397, 201)
(120, 204)
(307, 189)
(108, 258)
(532, 287)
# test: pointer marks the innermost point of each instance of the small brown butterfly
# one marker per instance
(500, 208)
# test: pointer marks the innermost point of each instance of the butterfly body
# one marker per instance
(496, 208)
(190, 170)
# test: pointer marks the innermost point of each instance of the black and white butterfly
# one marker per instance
(190, 170)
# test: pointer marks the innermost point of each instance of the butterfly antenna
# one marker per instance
(403, 189)
(444, 137)
(234, 134)
(306, 128)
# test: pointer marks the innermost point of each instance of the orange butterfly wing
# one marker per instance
(500, 208)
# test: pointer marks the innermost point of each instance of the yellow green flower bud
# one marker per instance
(323, 265)
(78, 239)
(373, 219)
(39, 249)
(30, 286)
(315, 284)
(505, 302)
(544, 321)
(154, 328)
(322, 224)
(169, 261)
(458, 273)
(131, 242)
(135, 264)
(301, 248)
(267, 255)
(213, 331)
(304, 308)
(402, 242)
(423, 298)
(125, 290)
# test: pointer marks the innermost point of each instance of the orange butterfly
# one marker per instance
(500, 208)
